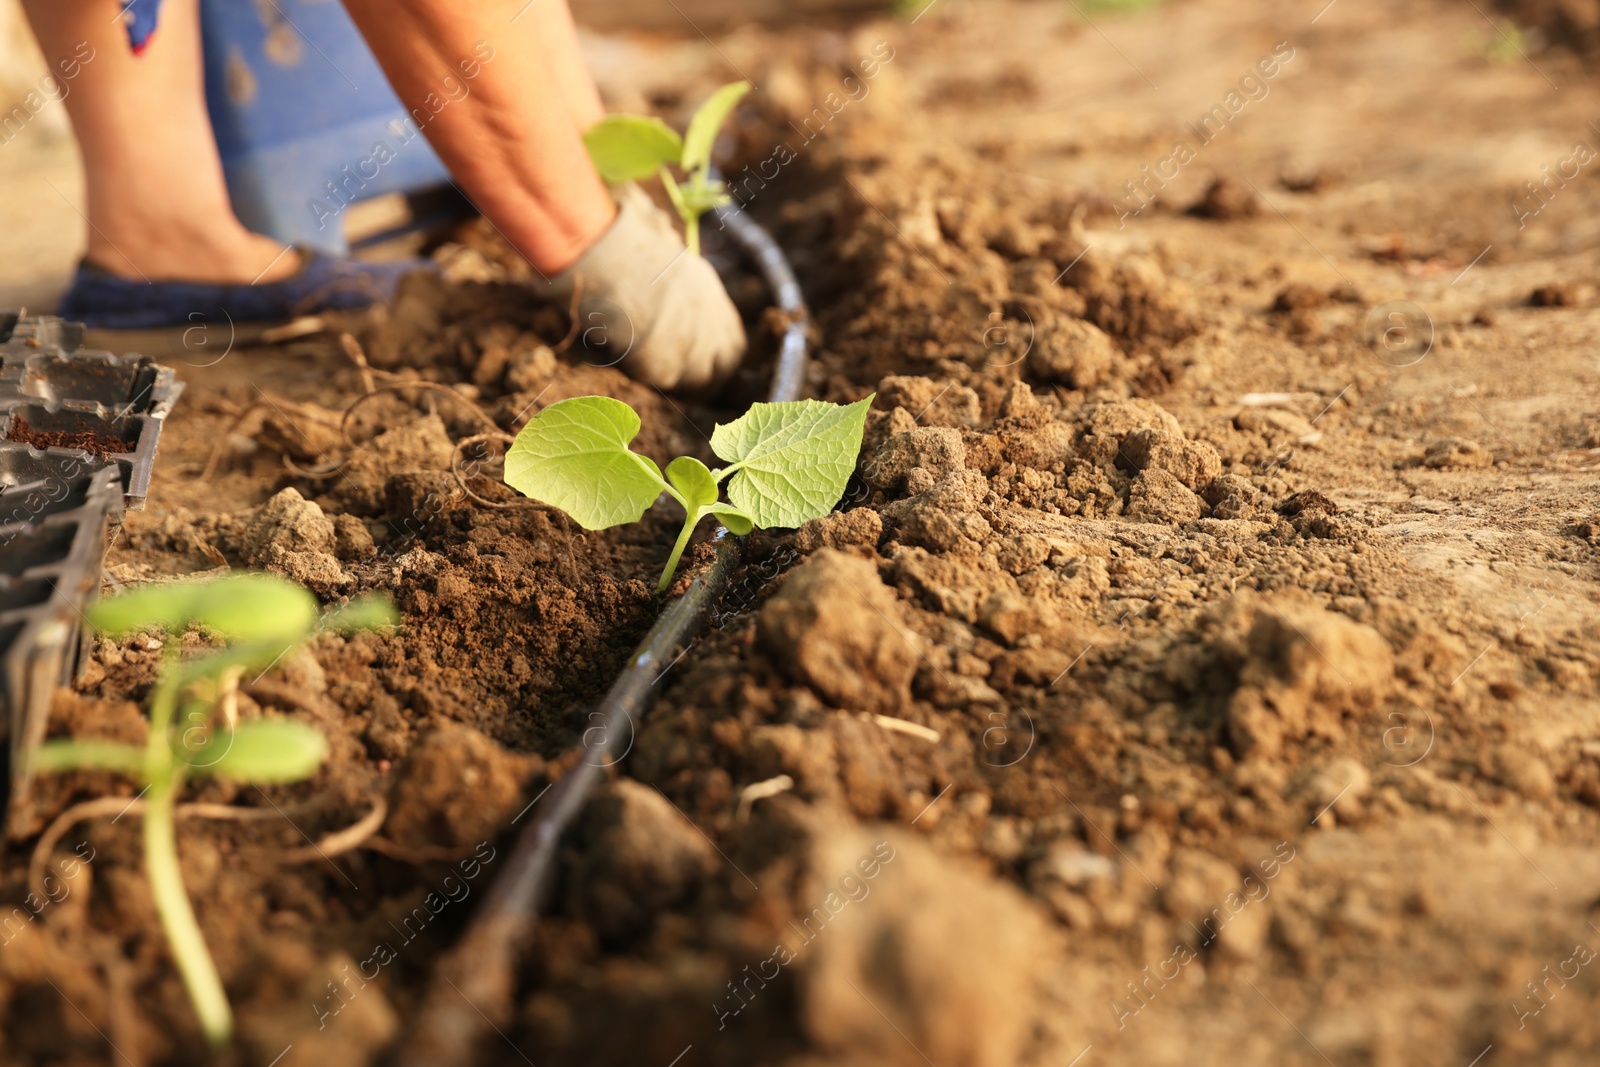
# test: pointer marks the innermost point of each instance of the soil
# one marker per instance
(94, 442)
(1199, 669)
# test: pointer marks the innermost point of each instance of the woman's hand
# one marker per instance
(658, 309)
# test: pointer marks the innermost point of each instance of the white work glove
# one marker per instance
(650, 307)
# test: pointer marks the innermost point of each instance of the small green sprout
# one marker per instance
(1118, 7)
(787, 462)
(631, 148)
(1508, 44)
(260, 618)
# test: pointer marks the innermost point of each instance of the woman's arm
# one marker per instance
(515, 100)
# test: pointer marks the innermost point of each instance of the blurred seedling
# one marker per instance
(1118, 7)
(1508, 44)
(194, 730)
(631, 148)
(787, 463)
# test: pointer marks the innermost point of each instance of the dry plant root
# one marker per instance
(352, 349)
(228, 700)
(461, 477)
(572, 315)
(341, 841)
(395, 387)
(221, 447)
(215, 459)
(355, 836)
(416, 855)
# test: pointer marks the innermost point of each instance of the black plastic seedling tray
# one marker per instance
(78, 435)
(57, 397)
(58, 517)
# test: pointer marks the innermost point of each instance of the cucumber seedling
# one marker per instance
(259, 618)
(631, 148)
(787, 463)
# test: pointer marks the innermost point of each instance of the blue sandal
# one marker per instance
(119, 312)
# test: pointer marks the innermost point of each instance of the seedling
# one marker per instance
(1508, 44)
(260, 618)
(1119, 7)
(787, 463)
(631, 148)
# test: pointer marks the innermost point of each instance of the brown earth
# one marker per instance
(1195, 671)
(90, 441)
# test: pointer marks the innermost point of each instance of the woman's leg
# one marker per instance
(157, 203)
(515, 142)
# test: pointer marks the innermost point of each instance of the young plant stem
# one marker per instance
(689, 523)
(189, 950)
(188, 946)
(691, 219)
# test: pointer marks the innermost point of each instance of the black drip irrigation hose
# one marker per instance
(477, 978)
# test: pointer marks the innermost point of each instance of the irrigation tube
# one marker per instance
(477, 978)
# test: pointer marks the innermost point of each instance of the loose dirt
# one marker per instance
(91, 441)
(1199, 669)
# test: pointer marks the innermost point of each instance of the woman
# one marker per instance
(163, 239)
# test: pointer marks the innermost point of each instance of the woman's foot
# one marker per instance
(110, 301)
(216, 249)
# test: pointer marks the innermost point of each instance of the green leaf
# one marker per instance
(55, 757)
(250, 655)
(244, 606)
(168, 605)
(627, 148)
(694, 481)
(707, 121)
(790, 461)
(574, 455)
(699, 488)
(256, 607)
(733, 518)
(363, 613)
(267, 750)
